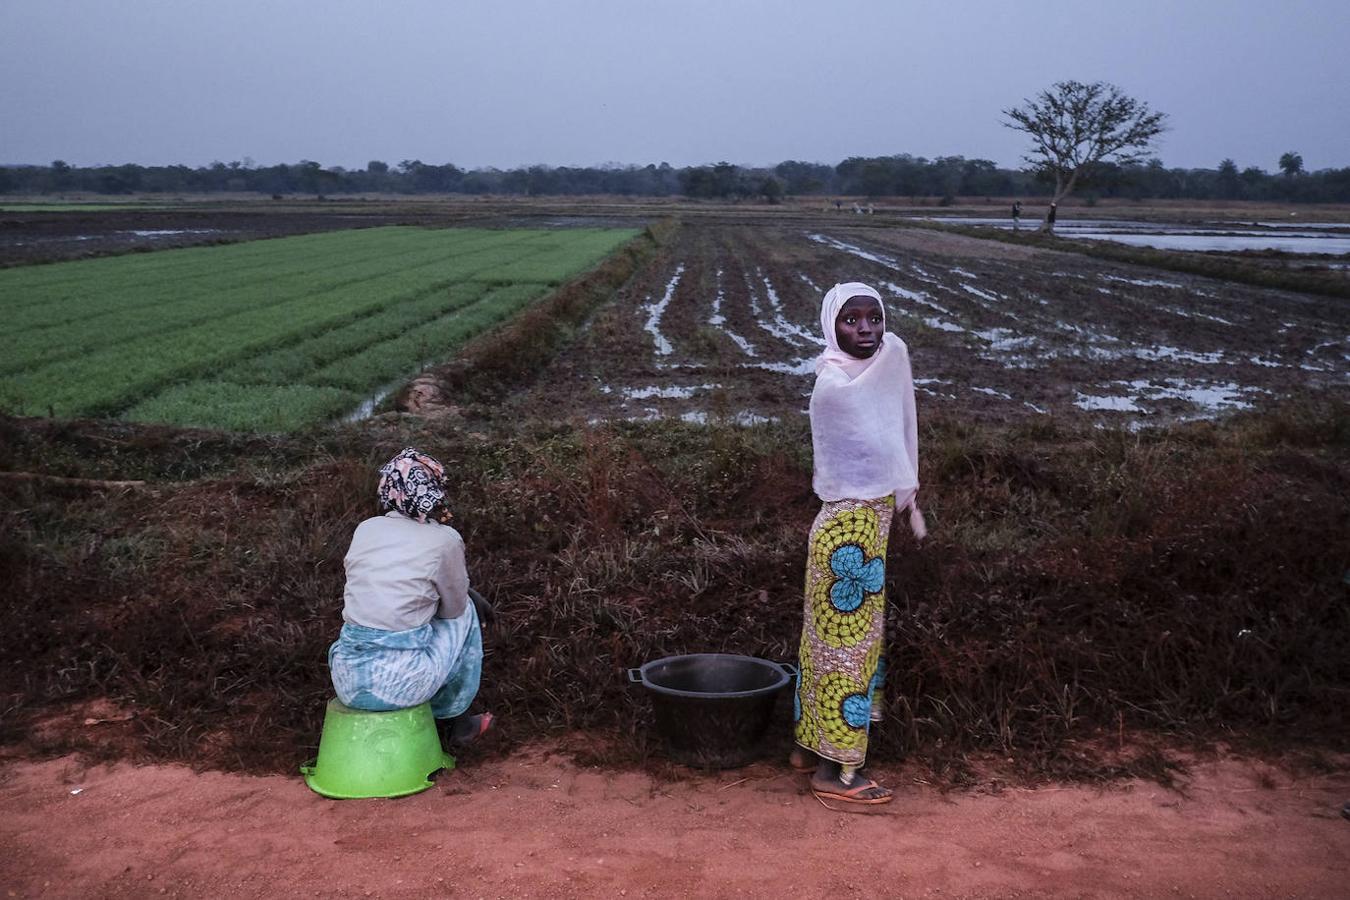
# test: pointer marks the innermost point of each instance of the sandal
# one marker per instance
(471, 730)
(853, 794)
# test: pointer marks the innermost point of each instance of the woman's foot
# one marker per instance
(802, 760)
(831, 782)
(465, 730)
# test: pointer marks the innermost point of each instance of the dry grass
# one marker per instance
(1079, 586)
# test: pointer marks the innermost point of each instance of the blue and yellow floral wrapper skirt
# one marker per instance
(841, 669)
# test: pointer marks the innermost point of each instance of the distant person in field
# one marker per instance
(411, 629)
(865, 437)
(1017, 215)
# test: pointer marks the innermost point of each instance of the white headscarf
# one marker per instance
(835, 298)
(864, 429)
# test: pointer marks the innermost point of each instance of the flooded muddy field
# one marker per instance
(29, 236)
(725, 327)
(1304, 238)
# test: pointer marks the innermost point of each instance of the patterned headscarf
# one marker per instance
(414, 484)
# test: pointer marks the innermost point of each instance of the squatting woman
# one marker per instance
(411, 622)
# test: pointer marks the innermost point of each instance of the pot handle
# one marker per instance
(789, 668)
(635, 676)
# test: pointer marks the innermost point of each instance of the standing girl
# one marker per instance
(865, 438)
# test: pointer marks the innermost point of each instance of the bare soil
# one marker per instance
(534, 826)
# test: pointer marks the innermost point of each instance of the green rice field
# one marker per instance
(268, 335)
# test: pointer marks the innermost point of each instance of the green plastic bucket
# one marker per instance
(376, 754)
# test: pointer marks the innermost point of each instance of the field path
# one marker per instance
(531, 825)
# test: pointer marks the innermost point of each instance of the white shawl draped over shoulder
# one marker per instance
(864, 429)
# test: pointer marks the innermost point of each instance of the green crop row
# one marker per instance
(344, 312)
(230, 283)
(335, 388)
(434, 341)
(174, 312)
(293, 362)
(101, 381)
(254, 407)
(43, 294)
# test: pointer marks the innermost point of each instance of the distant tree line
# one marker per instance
(944, 178)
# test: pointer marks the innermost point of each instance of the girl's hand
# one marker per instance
(916, 522)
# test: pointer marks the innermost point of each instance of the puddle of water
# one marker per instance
(657, 310)
(988, 296)
(774, 325)
(859, 252)
(1290, 237)
(1211, 398)
(1142, 282)
(367, 407)
(1195, 314)
(1324, 226)
(794, 333)
(804, 366)
(915, 296)
(168, 232)
(742, 418)
(1111, 404)
(717, 320)
(924, 385)
(809, 283)
(1160, 352)
(1230, 243)
(923, 274)
(941, 324)
(1004, 339)
(667, 393)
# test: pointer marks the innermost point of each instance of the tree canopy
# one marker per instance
(1075, 127)
(917, 179)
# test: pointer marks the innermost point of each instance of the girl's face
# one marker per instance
(859, 326)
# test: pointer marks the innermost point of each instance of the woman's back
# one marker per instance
(401, 573)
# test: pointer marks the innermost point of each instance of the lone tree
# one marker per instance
(1075, 126)
(1291, 164)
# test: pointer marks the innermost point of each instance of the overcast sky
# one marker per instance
(513, 82)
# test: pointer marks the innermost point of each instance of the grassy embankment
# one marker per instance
(1081, 589)
(269, 335)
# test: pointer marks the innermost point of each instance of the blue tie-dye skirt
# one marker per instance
(380, 671)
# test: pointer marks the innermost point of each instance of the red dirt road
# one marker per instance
(533, 825)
